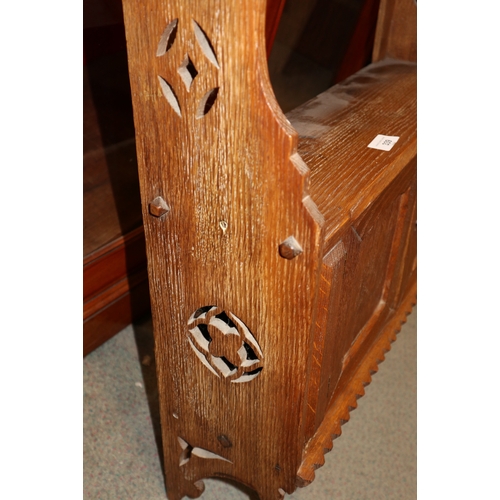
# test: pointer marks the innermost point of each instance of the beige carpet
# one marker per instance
(374, 459)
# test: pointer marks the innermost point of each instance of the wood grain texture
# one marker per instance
(367, 202)
(322, 356)
(237, 166)
(112, 262)
(396, 35)
(350, 389)
(111, 198)
(335, 129)
(114, 246)
(114, 251)
(116, 312)
(285, 262)
(115, 288)
(360, 289)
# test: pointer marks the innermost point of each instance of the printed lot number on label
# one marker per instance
(383, 142)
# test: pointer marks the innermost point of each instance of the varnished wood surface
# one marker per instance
(308, 249)
(110, 209)
(233, 165)
(335, 129)
(351, 388)
(364, 195)
(114, 246)
(115, 288)
(112, 316)
(112, 276)
(111, 202)
(111, 263)
(360, 288)
(396, 35)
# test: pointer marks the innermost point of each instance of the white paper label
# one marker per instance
(383, 142)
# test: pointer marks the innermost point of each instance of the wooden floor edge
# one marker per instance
(346, 401)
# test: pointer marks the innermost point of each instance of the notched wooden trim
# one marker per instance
(350, 389)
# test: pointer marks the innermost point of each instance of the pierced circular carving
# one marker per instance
(224, 344)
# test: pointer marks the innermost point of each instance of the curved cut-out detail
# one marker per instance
(225, 319)
(187, 71)
(205, 44)
(188, 451)
(204, 331)
(224, 366)
(184, 444)
(169, 94)
(247, 333)
(201, 339)
(201, 313)
(246, 377)
(247, 355)
(206, 103)
(167, 38)
(237, 359)
(200, 452)
(226, 326)
(202, 358)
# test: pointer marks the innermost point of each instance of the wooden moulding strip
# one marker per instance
(350, 388)
(113, 245)
(113, 293)
(121, 258)
(115, 316)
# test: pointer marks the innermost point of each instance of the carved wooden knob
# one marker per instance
(224, 441)
(290, 248)
(158, 207)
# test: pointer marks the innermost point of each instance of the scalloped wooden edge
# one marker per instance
(350, 389)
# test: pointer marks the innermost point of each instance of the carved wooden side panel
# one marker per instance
(364, 278)
(324, 351)
(350, 342)
(405, 274)
(233, 244)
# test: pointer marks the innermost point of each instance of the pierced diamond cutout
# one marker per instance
(187, 71)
